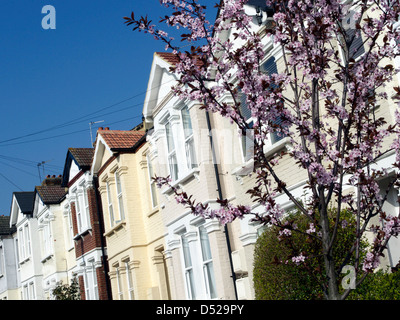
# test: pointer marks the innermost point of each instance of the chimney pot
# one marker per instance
(107, 128)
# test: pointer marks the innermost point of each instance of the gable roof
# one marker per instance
(52, 194)
(82, 157)
(25, 201)
(5, 228)
(118, 140)
(169, 57)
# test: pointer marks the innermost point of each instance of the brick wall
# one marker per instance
(89, 241)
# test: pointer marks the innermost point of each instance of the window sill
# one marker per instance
(153, 211)
(114, 229)
(194, 173)
(83, 233)
(48, 257)
(24, 260)
(248, 166)
(271, 150)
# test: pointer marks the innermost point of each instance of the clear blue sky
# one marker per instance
(54, 82)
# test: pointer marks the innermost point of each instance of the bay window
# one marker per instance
(198, 265)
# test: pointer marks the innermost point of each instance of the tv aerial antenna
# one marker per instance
(42, 164)
(90, 126)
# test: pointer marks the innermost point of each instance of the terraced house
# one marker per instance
(84, 225)
(48, 212)
(133, 224)
(9, 277)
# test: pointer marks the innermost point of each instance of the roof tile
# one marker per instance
(119, 139)
(51, 194)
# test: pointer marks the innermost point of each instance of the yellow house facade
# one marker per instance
(133, 227)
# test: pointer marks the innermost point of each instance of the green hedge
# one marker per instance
(382, 285)
(276, 277)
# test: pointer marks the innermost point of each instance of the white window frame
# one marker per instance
(153, 187)
(17, 253)
(2, 260)
(119, 283)
(26, 292)
(21, 243)
(90, 280)
(171, 152)
(86, 208)
(78, 210)
(190, 281)
(207, 264)
(190, 153)
(32, 293)
(70, 228)
(110, 205)
(129, 281)
(28, 239)
(197, 264)
(47, 248)
(341, 46)
(118, 186)
(25, 243)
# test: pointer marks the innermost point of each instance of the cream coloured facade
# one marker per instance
(134, 230)
(197, 251)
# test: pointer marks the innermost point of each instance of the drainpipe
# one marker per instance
(216, 172)
(101, 229)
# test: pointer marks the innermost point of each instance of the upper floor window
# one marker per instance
(47, 238)
(180, 144)
(356, 48)
(119, 197)
(172, 158)
(269, 67)
(2, 260)
(110, 205)
(153, 191)
(69, 227)
(25, 242)
(82, 208)
(189, 141)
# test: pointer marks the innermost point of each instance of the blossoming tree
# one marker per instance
(325, 99)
